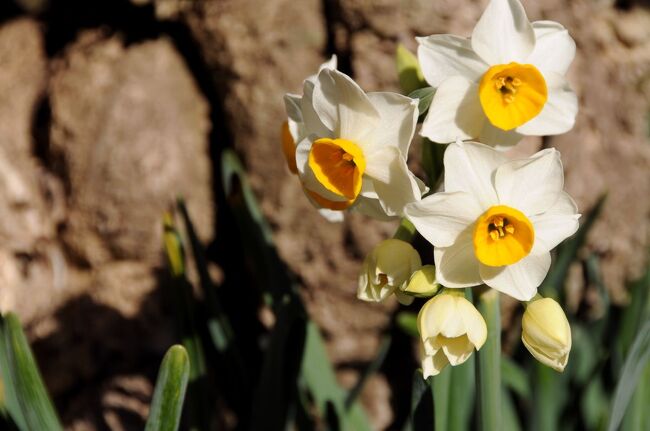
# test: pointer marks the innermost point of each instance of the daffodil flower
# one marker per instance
(293, 131)
(497, 219)
(386, 270)
(354, 146)
(546, 333)
(504, 82)
(450, 328)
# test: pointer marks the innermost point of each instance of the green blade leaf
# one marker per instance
(408, 70)
(424, 96)
(168, 397)
(27, 400)
(488, 367)
(514, 378)
(421, 417)
(633, 368)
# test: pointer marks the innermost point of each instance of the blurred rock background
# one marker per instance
(111, 109)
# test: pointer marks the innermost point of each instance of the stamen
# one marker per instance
(510, 229)
(347, 157)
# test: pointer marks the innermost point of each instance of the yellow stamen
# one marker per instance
(502, 236)
(512, 94)
(338, 165)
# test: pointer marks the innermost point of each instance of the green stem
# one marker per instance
(488, 366)
(406, 231)
(441, 385)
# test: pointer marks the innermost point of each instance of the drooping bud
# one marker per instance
(546, 333)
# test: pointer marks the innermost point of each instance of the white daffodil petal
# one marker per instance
(457, 266)
(331, 215)
(531, 185)
(455, 112)
(458, 350)
(474, 322)
(441, 217)
(433, 365)
(554, 47)
(372, 208)
(559, 112)
(310, 118)
(503, 33)
(292, 106)
(519, 280)
(445, 55)
(469, 167)
(557, 223)
(343, 106)
(394, 184)
(399, 116)
(500, 139)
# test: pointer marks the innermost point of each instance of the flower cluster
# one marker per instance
(495, 220)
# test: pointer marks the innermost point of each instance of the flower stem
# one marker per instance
(406, 231)
(488, 364)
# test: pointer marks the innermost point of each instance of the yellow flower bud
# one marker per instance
(450, 328)
(423, 282)
(546, 333)
(387, 268)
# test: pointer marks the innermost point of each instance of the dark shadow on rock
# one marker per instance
(94, 343)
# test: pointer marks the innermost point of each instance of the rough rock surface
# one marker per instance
(99, 137)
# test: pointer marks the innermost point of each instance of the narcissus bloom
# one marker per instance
(387, 270)
(293, 131)
(546, 333)
(450, 328)
(504, 82)
(497, 219)
(354, 146)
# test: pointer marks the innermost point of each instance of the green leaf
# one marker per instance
(295, 345)
(550, 391)
(167, 403)
(408, 70)
(27, 400)
(424, 96)
(633, 368)
(441, 385)
(594, 405)
(514, 378)
(319, 377)
(421, 417)
(637, 417)
(488, 367)
(509, 412)
(408, 323)
(185, 305)
(462, 393)
(432, 161)
(371, 369)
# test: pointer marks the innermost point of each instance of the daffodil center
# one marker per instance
(502, 236)
(512, 94)
(338, 164)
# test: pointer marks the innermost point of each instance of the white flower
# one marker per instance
(546, 333)
(504, 82)
(497, 220)
(386, 270)
(354, 146)
(450, 328)
(293, 131)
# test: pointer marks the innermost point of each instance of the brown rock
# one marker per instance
(132, 129)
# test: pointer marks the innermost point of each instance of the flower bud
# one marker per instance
(450, 328)
(546, 333)
(387, 269)
(423, 282)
